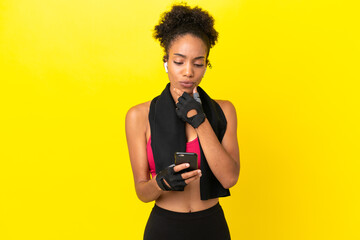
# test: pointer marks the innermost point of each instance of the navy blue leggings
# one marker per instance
(209, 224)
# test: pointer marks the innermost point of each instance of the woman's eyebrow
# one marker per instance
(178, 54)
(181, 55)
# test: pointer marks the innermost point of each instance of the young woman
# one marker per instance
(184, 118)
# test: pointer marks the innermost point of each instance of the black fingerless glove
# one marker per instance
(174, 179)
(187, 103)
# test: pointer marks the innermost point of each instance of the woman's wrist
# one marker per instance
(154, 182)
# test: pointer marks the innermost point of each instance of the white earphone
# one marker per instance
(204, 72)
(165, 66)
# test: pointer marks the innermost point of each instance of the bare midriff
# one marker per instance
(188, 200)
(185, 201)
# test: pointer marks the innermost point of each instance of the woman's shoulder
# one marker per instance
(225, 105)
(228, 108)
(138, 112)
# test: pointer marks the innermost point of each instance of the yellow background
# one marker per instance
(70, 70)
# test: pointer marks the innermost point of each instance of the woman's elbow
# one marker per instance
(143, 198)
(231, 180)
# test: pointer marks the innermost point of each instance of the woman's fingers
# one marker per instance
(191, 176)
(177, 92)
(180, 167)
(188, 176)
(187, 181)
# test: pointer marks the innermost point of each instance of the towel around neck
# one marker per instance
(168, 136)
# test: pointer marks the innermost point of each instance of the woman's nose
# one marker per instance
(189, 71)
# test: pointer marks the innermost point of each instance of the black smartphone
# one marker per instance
(186, 157)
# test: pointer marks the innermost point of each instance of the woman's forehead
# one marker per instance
(188, 46)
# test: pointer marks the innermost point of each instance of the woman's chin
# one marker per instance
(188, 90)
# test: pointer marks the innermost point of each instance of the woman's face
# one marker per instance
(186, 62)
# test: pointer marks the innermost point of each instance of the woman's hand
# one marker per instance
(189, 109)
(178, 93)
(227, 170)
(171, 178)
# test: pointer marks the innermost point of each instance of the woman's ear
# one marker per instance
(166, 66)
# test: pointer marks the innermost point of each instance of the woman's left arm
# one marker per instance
(223, 158)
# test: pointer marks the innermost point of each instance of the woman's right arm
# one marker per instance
(136, 121)
(147, 189)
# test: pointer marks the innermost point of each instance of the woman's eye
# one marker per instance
(177, 63)
(199, 65)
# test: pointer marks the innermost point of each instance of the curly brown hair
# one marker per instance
(181, 20)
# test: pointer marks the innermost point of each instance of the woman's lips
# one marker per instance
(186, 84)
